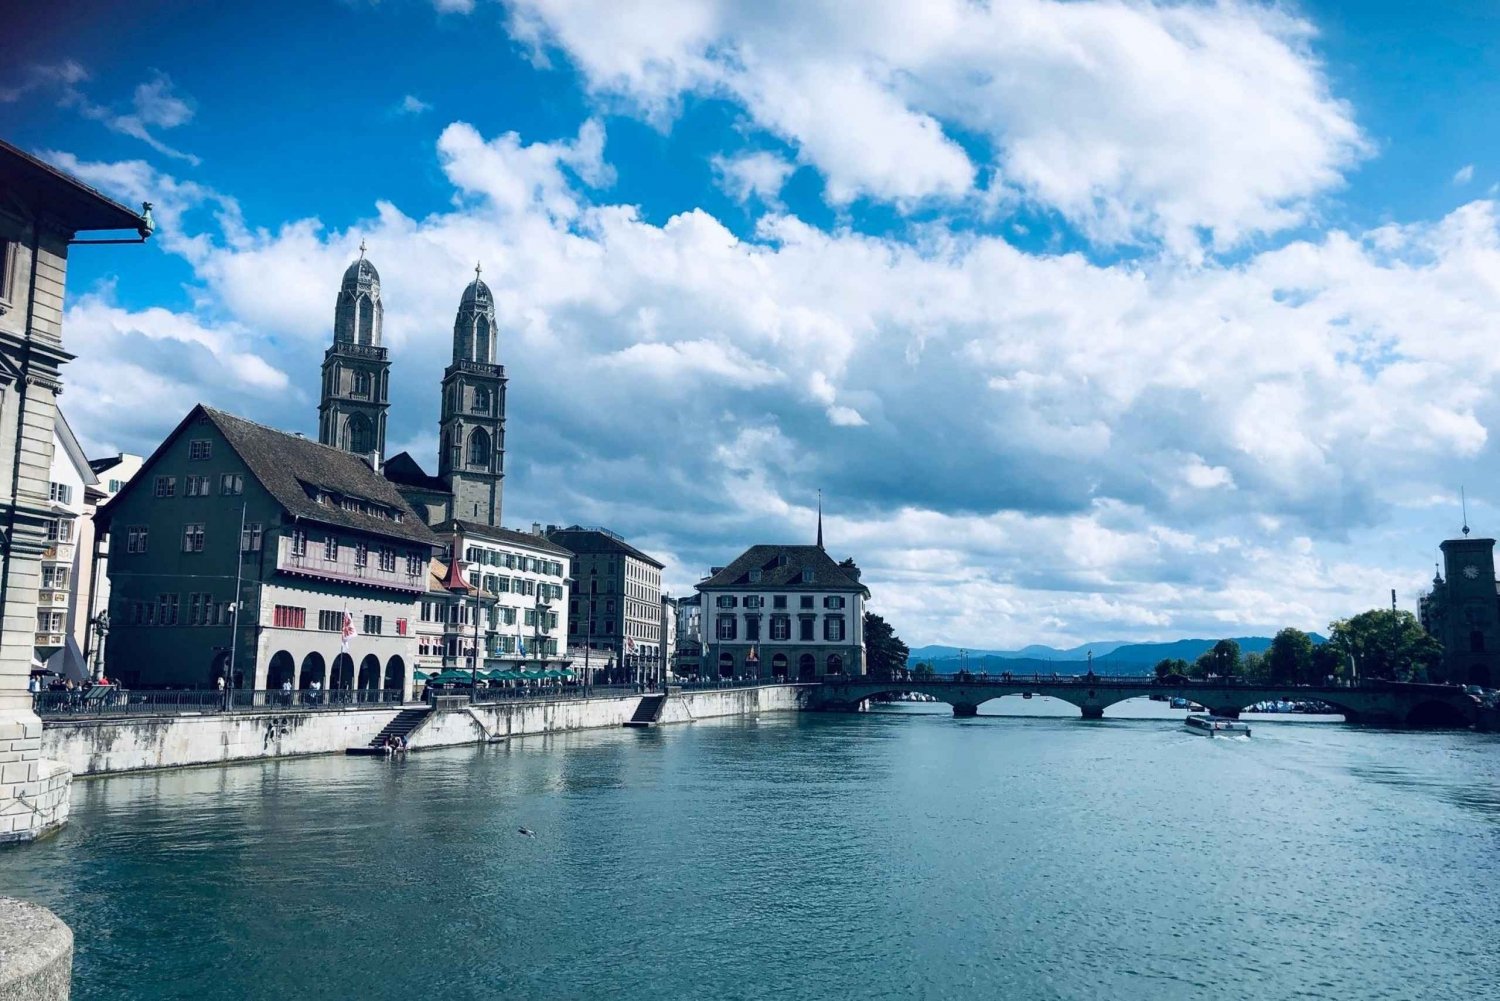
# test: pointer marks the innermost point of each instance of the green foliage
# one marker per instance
(1172, 665)
(922, 670)
(1386, 644)
(1226, 658)
(1256, 667)
(885, 654)
(1290, 658)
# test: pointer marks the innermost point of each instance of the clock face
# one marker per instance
(1471, 572)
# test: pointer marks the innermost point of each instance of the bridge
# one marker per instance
(1381, 703)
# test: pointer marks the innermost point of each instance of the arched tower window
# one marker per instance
(479, 448)
(357, 438)
(482, 340)
(361, 383)
(481, 399)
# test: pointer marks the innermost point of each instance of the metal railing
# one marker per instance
(113, 701)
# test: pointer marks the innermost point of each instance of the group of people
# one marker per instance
(39, 683)
(394, 744)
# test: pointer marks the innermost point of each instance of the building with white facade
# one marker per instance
(687, 658)
(64, 561)
(90, 600)
(784, 612)
(618, 602)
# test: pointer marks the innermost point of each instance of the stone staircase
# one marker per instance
(648, 711)
(402, 726)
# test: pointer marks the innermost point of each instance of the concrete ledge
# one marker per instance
(36, 953)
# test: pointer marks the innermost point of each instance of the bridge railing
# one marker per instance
(112, 701)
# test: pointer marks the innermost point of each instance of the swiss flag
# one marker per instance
(347, 633)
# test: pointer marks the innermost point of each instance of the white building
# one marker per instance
(784, 612)
(66, 558)
(91, 565)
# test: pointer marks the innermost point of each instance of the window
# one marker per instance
(331, 621)
(781, 627)
(1476, 641)
(725, 601)
(200, 449)
(361, 383)
(372, 625)
(299, 542)
(473, 554)
(481, 400)
(509, 616)
(413, 564)
(330, 549)
(192, 538)
(231, 484)
(834, 601)
(388, 559)
(833, 628)
(779, 601)
(289, 617)
(510, 561)
(401, 627)
(755, 576)
(807, 601)
(168, 615)
(60, 492)
(530, 618)
(250, 538)
(752, 628)
(49, 622)
(115, 485)
(7, 270)
(135, 538)
(55, 578)
(727, 627)
(479, 448)
(807, 575)
(195, 486)
(166, 486)
(805, 630)
(754, 601)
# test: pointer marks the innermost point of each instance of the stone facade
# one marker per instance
(617, 607)
(356, 370)
(42, 211)
(471, 433)
(1463, 612)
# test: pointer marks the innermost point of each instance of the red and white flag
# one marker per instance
(630, 644)
(347, 634)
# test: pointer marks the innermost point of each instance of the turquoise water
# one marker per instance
(899, 854)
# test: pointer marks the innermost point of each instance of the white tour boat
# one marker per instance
(1215, 726)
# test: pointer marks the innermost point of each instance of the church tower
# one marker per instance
(356, 373)
(471, 441)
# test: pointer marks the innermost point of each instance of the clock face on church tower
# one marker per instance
(1471, 572)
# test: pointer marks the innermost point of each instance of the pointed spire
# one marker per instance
(1464, 500)
(454, 581)
(820, 519)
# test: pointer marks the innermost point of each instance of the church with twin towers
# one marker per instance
(471, 423)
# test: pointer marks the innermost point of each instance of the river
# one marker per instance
(892, 854)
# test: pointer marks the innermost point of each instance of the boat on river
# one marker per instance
(1215, 726)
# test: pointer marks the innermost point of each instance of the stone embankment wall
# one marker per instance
(34, 791)
(105, 746)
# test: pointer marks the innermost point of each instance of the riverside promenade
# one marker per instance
(140, 731)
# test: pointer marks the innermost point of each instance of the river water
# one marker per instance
(892, 854)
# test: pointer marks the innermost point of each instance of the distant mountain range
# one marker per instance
(1110, 657)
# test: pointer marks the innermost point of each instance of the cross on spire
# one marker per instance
(476, 271)
(361, 248)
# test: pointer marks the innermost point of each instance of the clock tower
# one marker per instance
(1463, 612)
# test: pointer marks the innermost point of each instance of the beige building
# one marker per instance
(42, 212)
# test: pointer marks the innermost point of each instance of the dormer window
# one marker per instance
(782, 560)
(755, 576)
(807, 575)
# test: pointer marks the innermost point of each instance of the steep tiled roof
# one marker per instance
(506, 535)
(781, 574)
(286, 464)
(591, 540)
(405, 470)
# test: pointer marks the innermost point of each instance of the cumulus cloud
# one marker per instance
(1136, 447)
(1464, 174)
(1136, 121)
(756, 175)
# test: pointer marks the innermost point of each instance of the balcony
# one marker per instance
(351, 350)
(343, 570)
(480, 368)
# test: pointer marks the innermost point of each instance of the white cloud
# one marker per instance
(1156, 121)
(758, 175)
(1130, 450)
(1464, 174)
(412, 105)
(453, 6)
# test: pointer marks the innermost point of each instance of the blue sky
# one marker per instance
(1093, 320)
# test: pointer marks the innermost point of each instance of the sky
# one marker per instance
(1092, 320)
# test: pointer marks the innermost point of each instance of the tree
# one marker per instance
(885, 654)
(1203, 666)
(1226, 658)
(1168, 666)
(1256, 667)
(1290, 658)
(922, 670)
(1386, 644)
